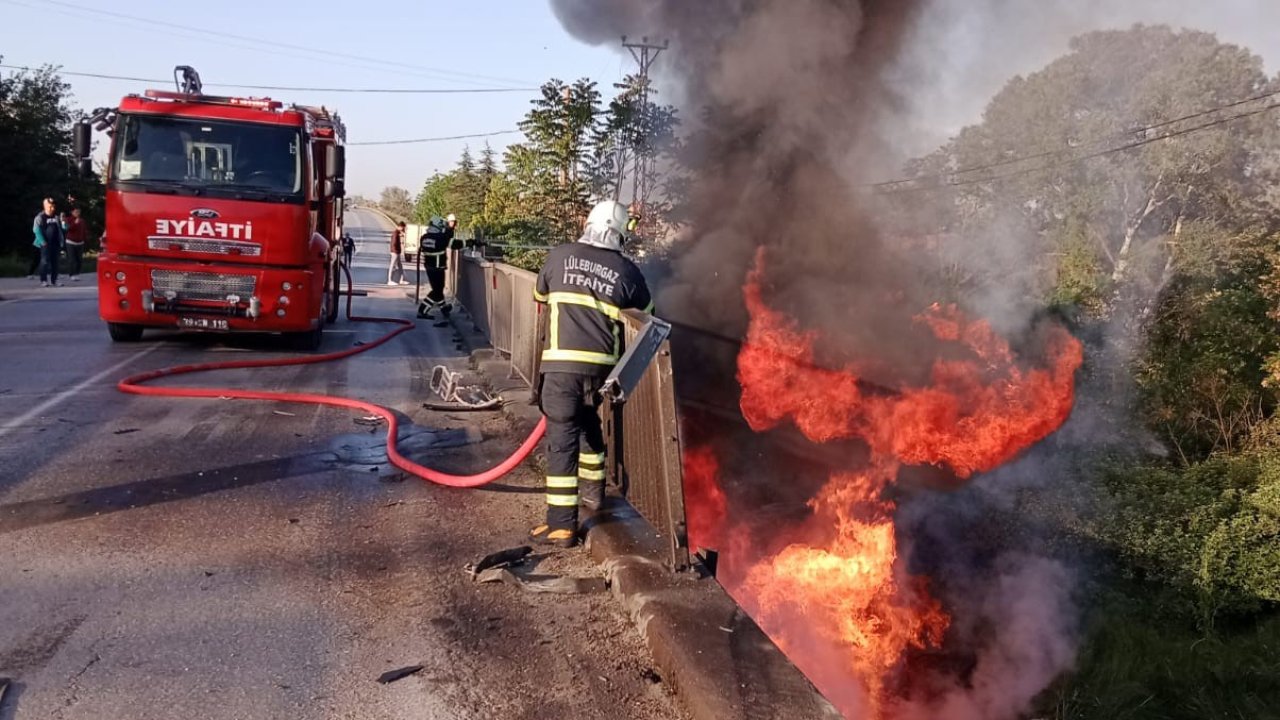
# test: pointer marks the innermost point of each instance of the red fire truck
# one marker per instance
(223, 214)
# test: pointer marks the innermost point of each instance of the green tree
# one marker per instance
(36, 117)
(395, 202)
(634, 144)
(468, 191)
(488, 164)
(552, 162)
(434, 198)
(1129, 206)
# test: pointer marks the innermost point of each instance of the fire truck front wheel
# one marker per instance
(124, 332)
(306, 341)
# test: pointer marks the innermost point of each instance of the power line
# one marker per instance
(274, 46)
(1090, 156)
(1061, 151)
(409, 141)
(406, 91)
(436, 139)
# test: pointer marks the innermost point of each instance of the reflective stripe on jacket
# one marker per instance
(435, 247)
(586, 288)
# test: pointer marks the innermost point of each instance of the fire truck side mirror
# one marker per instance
(82, 145)
(334, 162)
(334, 189)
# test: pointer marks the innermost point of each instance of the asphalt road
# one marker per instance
(173, 558)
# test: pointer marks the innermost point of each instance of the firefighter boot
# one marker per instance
(590, 494)
(558, 537)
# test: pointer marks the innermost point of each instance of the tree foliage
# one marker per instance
(1126, 209)
(576, 151)
(395, 201)
(36, 117)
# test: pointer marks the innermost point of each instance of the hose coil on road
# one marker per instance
(136, 385)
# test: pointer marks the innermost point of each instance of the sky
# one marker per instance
(966, 50)
(419, 44)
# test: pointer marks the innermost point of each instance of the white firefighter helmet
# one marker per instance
(451, 218)
(607, 225)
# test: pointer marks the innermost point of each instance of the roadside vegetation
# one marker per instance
(1164, 257)
(576, 147)
(36, 114)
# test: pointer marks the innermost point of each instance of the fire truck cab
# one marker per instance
(223, 214)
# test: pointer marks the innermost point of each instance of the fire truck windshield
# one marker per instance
(213, 157)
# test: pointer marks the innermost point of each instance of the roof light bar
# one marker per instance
(260, 103)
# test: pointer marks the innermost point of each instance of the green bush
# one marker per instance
(1202, 370)
(1211, 530)
(1141, 663)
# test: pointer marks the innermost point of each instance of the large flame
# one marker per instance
(845, 607)
(977, 414)
(705, 503)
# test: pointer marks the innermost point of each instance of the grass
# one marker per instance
(1145, 659)
(16, 265)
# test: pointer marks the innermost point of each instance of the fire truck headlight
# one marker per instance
(120, 276)
(283, 300)
(122, 290)
(124, 304)
(280, 312)
(286, 286)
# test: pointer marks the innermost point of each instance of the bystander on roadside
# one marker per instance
(49, 237)
(76, 232)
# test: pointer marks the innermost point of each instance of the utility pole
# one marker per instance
(645, 54)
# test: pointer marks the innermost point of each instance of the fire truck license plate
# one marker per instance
(203, 323)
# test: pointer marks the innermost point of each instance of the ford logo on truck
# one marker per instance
(204, 213)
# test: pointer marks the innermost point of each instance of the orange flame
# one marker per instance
(852, 594)
(705, 503)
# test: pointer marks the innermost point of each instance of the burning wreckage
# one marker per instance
(832, 585)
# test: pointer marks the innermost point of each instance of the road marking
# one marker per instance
(21, 421)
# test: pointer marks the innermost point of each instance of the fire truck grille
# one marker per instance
(202, 286)
(212, 247)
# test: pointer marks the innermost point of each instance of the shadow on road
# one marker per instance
(143, 493)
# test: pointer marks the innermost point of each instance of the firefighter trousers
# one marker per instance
(435, 278)
(575, 442)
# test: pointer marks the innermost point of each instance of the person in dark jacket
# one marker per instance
(585, 285)
(49, 237)
(76, 233)
(348, 249)
(435, 246)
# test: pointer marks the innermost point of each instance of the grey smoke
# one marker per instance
(1020, 622)
(963, 51)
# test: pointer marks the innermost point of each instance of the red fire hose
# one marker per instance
(135, 384)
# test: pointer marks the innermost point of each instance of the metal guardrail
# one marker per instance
(644, 448)
(642, 435)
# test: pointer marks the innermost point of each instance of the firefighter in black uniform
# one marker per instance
(435, 247)
(585, 285)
